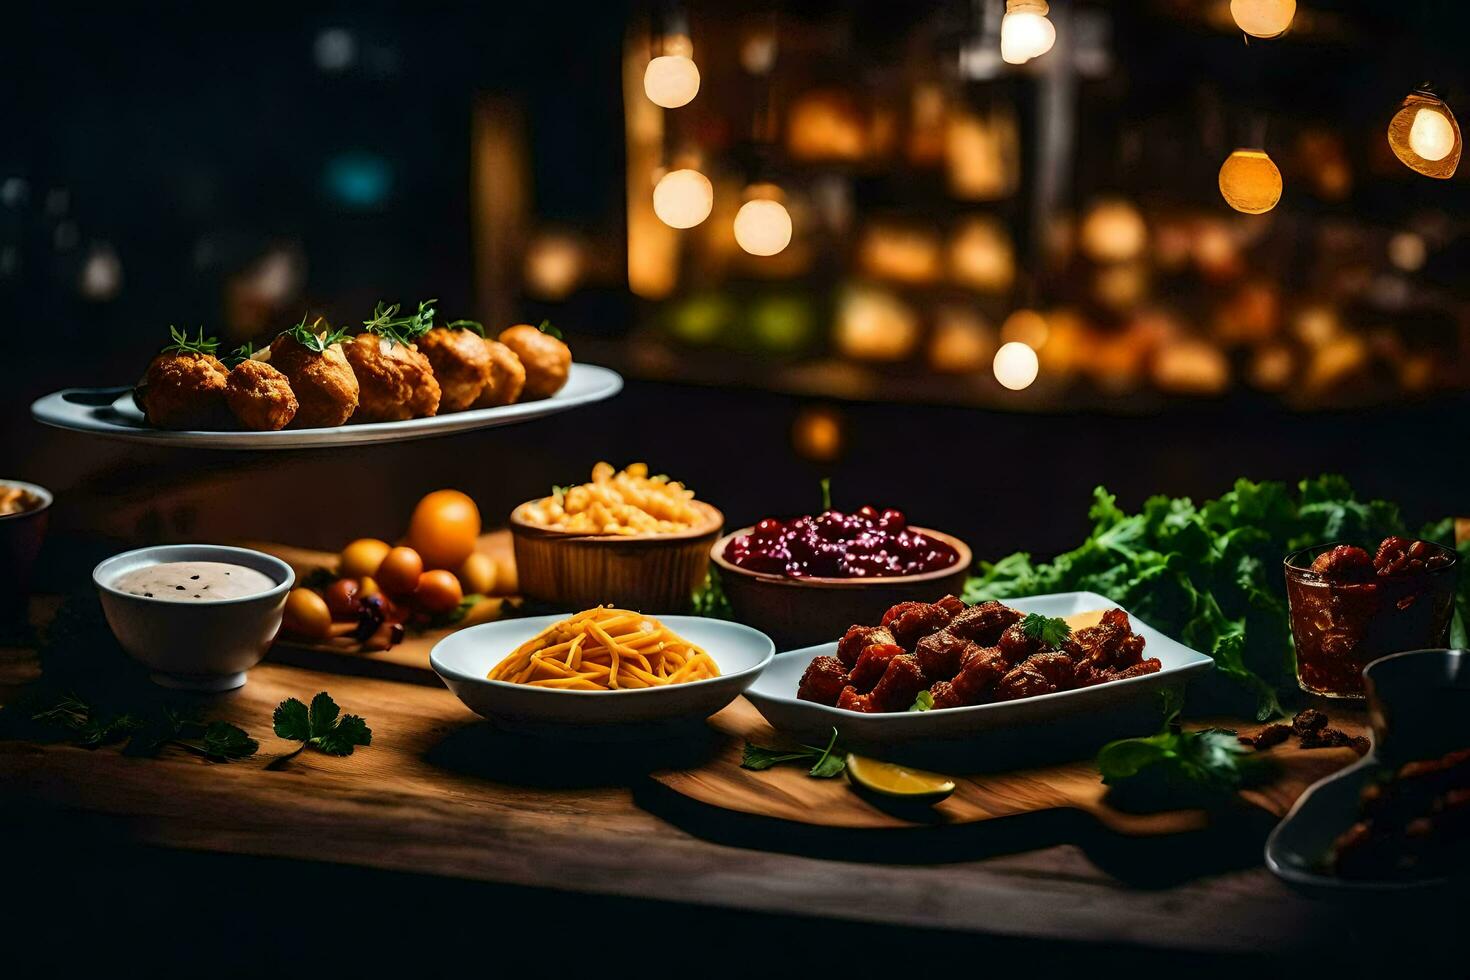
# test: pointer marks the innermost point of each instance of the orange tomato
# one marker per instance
(306, 615)
(444, 528)
(399, 573)
(477, 574)
(341, 597)
(361, 558)
(438, 592)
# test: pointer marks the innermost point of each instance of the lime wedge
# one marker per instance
(891, 779)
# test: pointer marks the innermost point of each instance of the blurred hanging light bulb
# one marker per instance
(671, 80)
(1025, 32)
(1425, 136)
(763, 227)
(683, 198)
(1250, 182)
(1015, 365)
(1263, 18)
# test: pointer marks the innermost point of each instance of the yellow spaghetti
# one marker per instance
(605, 649)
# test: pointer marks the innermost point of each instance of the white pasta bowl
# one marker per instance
(463, 659)
(195, 646)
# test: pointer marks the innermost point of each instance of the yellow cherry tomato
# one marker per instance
(399, 573)
(444, 528)
(438, 592)
(367, 587)
(361, 558)
(477, 574)
(306, 615)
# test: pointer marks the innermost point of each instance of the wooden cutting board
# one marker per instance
(786, 792)
(406, 661)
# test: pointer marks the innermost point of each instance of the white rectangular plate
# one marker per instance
(774, 692)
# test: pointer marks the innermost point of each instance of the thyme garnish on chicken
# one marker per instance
(405, 329)
(239, 355)
(316, 336)
(474, 325)
(183, 345)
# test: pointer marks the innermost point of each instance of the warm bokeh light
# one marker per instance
(873, 325)
(1015, 365)
(1250, 182)
(1025, 32)
(981, 256)
(1408, 251)
(1263, 18)
(671, 81)
(553, 265)
(961, 342)
(763, 227)
(683, 198)
(817, 434)
(1025, 326)
(1431, 136)
(1425, 136)
(1113, 231)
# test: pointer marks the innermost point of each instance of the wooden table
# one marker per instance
(441, 796)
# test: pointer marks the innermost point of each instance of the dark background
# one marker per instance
(191, 139)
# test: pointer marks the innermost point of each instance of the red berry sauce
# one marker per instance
(832, 544)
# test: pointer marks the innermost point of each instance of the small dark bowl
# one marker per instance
(20, 542)
(1419, 703)
(802, 612)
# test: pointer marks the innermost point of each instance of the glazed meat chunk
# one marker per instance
(1016, 645)
(900, 684)
(940, 654)
(1022, 682)
(871, 666)
(859, 638)
(823, 681)
(910, 622)
(984, 623)
(1057, 668)
(1149, 666)
(981, 669)
(851, 700)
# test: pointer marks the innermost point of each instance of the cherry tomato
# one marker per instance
(306, 615)
(362, 557)
(341, 597)
(444, 528)
(438, 592)
(477, 574)
(399, 573)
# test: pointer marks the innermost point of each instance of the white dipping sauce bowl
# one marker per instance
(195, 646)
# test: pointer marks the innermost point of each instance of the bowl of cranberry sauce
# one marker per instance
(1350, 607)
(800, 579)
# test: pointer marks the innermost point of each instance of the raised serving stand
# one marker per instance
(111, 413)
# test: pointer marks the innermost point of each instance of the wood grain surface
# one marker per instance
(442, 793)
(786, 792)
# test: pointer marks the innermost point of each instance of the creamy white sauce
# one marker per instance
(193, 581)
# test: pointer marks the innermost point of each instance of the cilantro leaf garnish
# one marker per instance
(829, 761)
(474, 325)
(183, 345)
(923, 702)
(321, 726)
(1050, 631)
(146, 732)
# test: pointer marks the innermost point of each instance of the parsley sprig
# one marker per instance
(319, 726)
(183, 345)
(1051, 631)
(316, 336)
(474, 325)
(403, 329)
(830, 761)
(145, 732)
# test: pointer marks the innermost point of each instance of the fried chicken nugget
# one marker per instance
(325, 386)
(461, 364)
(184, 391)
(507, 377)
(260, 396)
(546, 359)
(396, 381)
